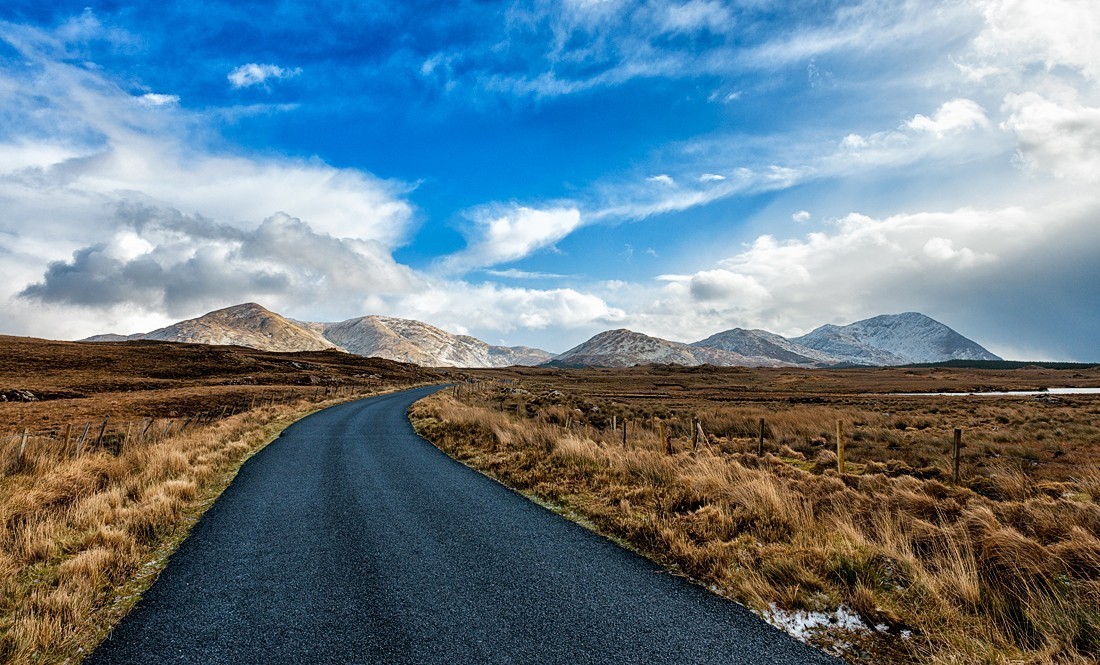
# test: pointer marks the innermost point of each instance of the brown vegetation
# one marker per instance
(86, 522)
(1004, 567)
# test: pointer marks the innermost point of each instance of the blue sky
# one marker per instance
(533, 173)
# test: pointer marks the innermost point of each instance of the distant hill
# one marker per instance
(764, 346)
(411, 341)
(403, 340)
(893, 339)
(626, 348)
(248, 325)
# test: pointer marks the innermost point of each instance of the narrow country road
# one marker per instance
(352, 540)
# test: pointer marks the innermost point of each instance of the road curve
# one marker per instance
(352, 540)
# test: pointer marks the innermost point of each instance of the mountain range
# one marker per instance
(891, 339)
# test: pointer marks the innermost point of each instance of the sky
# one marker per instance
(533, 173)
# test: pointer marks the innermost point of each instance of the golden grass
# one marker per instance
(81, 538)
(947, 574)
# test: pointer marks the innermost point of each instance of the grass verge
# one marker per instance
(81, 539)
(912, 570)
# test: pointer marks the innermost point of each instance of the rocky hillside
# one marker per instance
(626, 348)
(411, 341)
(895, 339)
(403, 340)
(765, 348)
(242, 325)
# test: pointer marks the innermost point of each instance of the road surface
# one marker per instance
(352, 540)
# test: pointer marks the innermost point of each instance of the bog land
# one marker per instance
(944, 528)
(730, 476)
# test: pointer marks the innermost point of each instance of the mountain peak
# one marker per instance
(894, 339)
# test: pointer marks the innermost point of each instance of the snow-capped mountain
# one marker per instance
(894, 339)
(897, 339)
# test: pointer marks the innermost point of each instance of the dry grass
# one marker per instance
(1006, 572)
(85, 528)
(81, 537)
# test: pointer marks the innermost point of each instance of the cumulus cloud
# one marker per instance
(723, 285)
(1062, 137)
(500, 234)
(252, 74)
(801, 217)
(954, 116)
(1051, 32)
(179, 264)
(508, 309)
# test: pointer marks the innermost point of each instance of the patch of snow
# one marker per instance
(804, 624)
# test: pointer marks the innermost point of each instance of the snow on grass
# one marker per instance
(804, 624)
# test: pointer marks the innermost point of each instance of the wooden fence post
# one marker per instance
(68, 435)
(80, 443)
(694, 434)
(102, 429)
(702, 434)
(760, 441)
(625, 423)
(956, 446)
(664, 442)
(839, 449)
(23, 446)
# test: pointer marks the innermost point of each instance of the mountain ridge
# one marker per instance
(888, 339)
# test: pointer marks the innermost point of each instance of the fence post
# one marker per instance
(702, 434)
(694, 434)
(760, 441)
(956, 446)
(84, 435)
(667, 443)
(625, 422)
(103, 429)
(23, 446)
(839, 449)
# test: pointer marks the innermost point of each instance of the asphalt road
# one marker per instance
(352, 540)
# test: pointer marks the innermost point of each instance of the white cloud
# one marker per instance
(513, 273)
(801, 217)
(711, 177)
(952, 117)
(724, 285)
(1062, 137)
(156, 99)
(255, 74)
(1051, 32)
(662, 179)
(115, 216)
(693, 16)
(507, 233)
